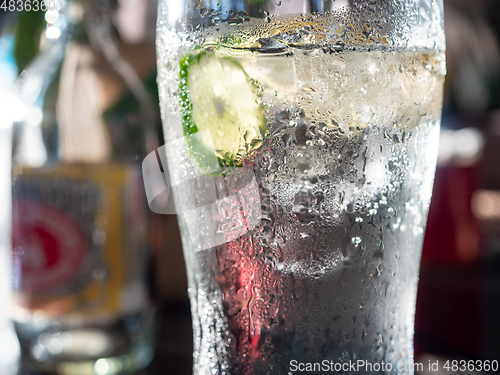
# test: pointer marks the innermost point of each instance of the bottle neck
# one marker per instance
(71, 85)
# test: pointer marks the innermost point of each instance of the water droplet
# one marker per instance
(356, 240)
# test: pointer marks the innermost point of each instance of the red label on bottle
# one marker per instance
(50, 244)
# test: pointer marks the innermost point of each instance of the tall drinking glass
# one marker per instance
(301, 147)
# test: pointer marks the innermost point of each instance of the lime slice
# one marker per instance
(217, 95)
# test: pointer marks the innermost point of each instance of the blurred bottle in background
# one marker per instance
(9, 347)
(81, 254)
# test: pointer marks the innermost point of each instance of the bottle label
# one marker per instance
(52, 245)
(79, 240)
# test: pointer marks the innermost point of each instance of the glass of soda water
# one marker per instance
(301, 143)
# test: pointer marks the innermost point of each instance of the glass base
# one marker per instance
(122, 346)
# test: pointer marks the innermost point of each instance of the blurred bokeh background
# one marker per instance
(459, 291)
(458, 306)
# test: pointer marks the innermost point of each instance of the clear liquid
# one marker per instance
(345, 177)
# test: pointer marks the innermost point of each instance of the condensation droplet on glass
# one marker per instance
(356, 240)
